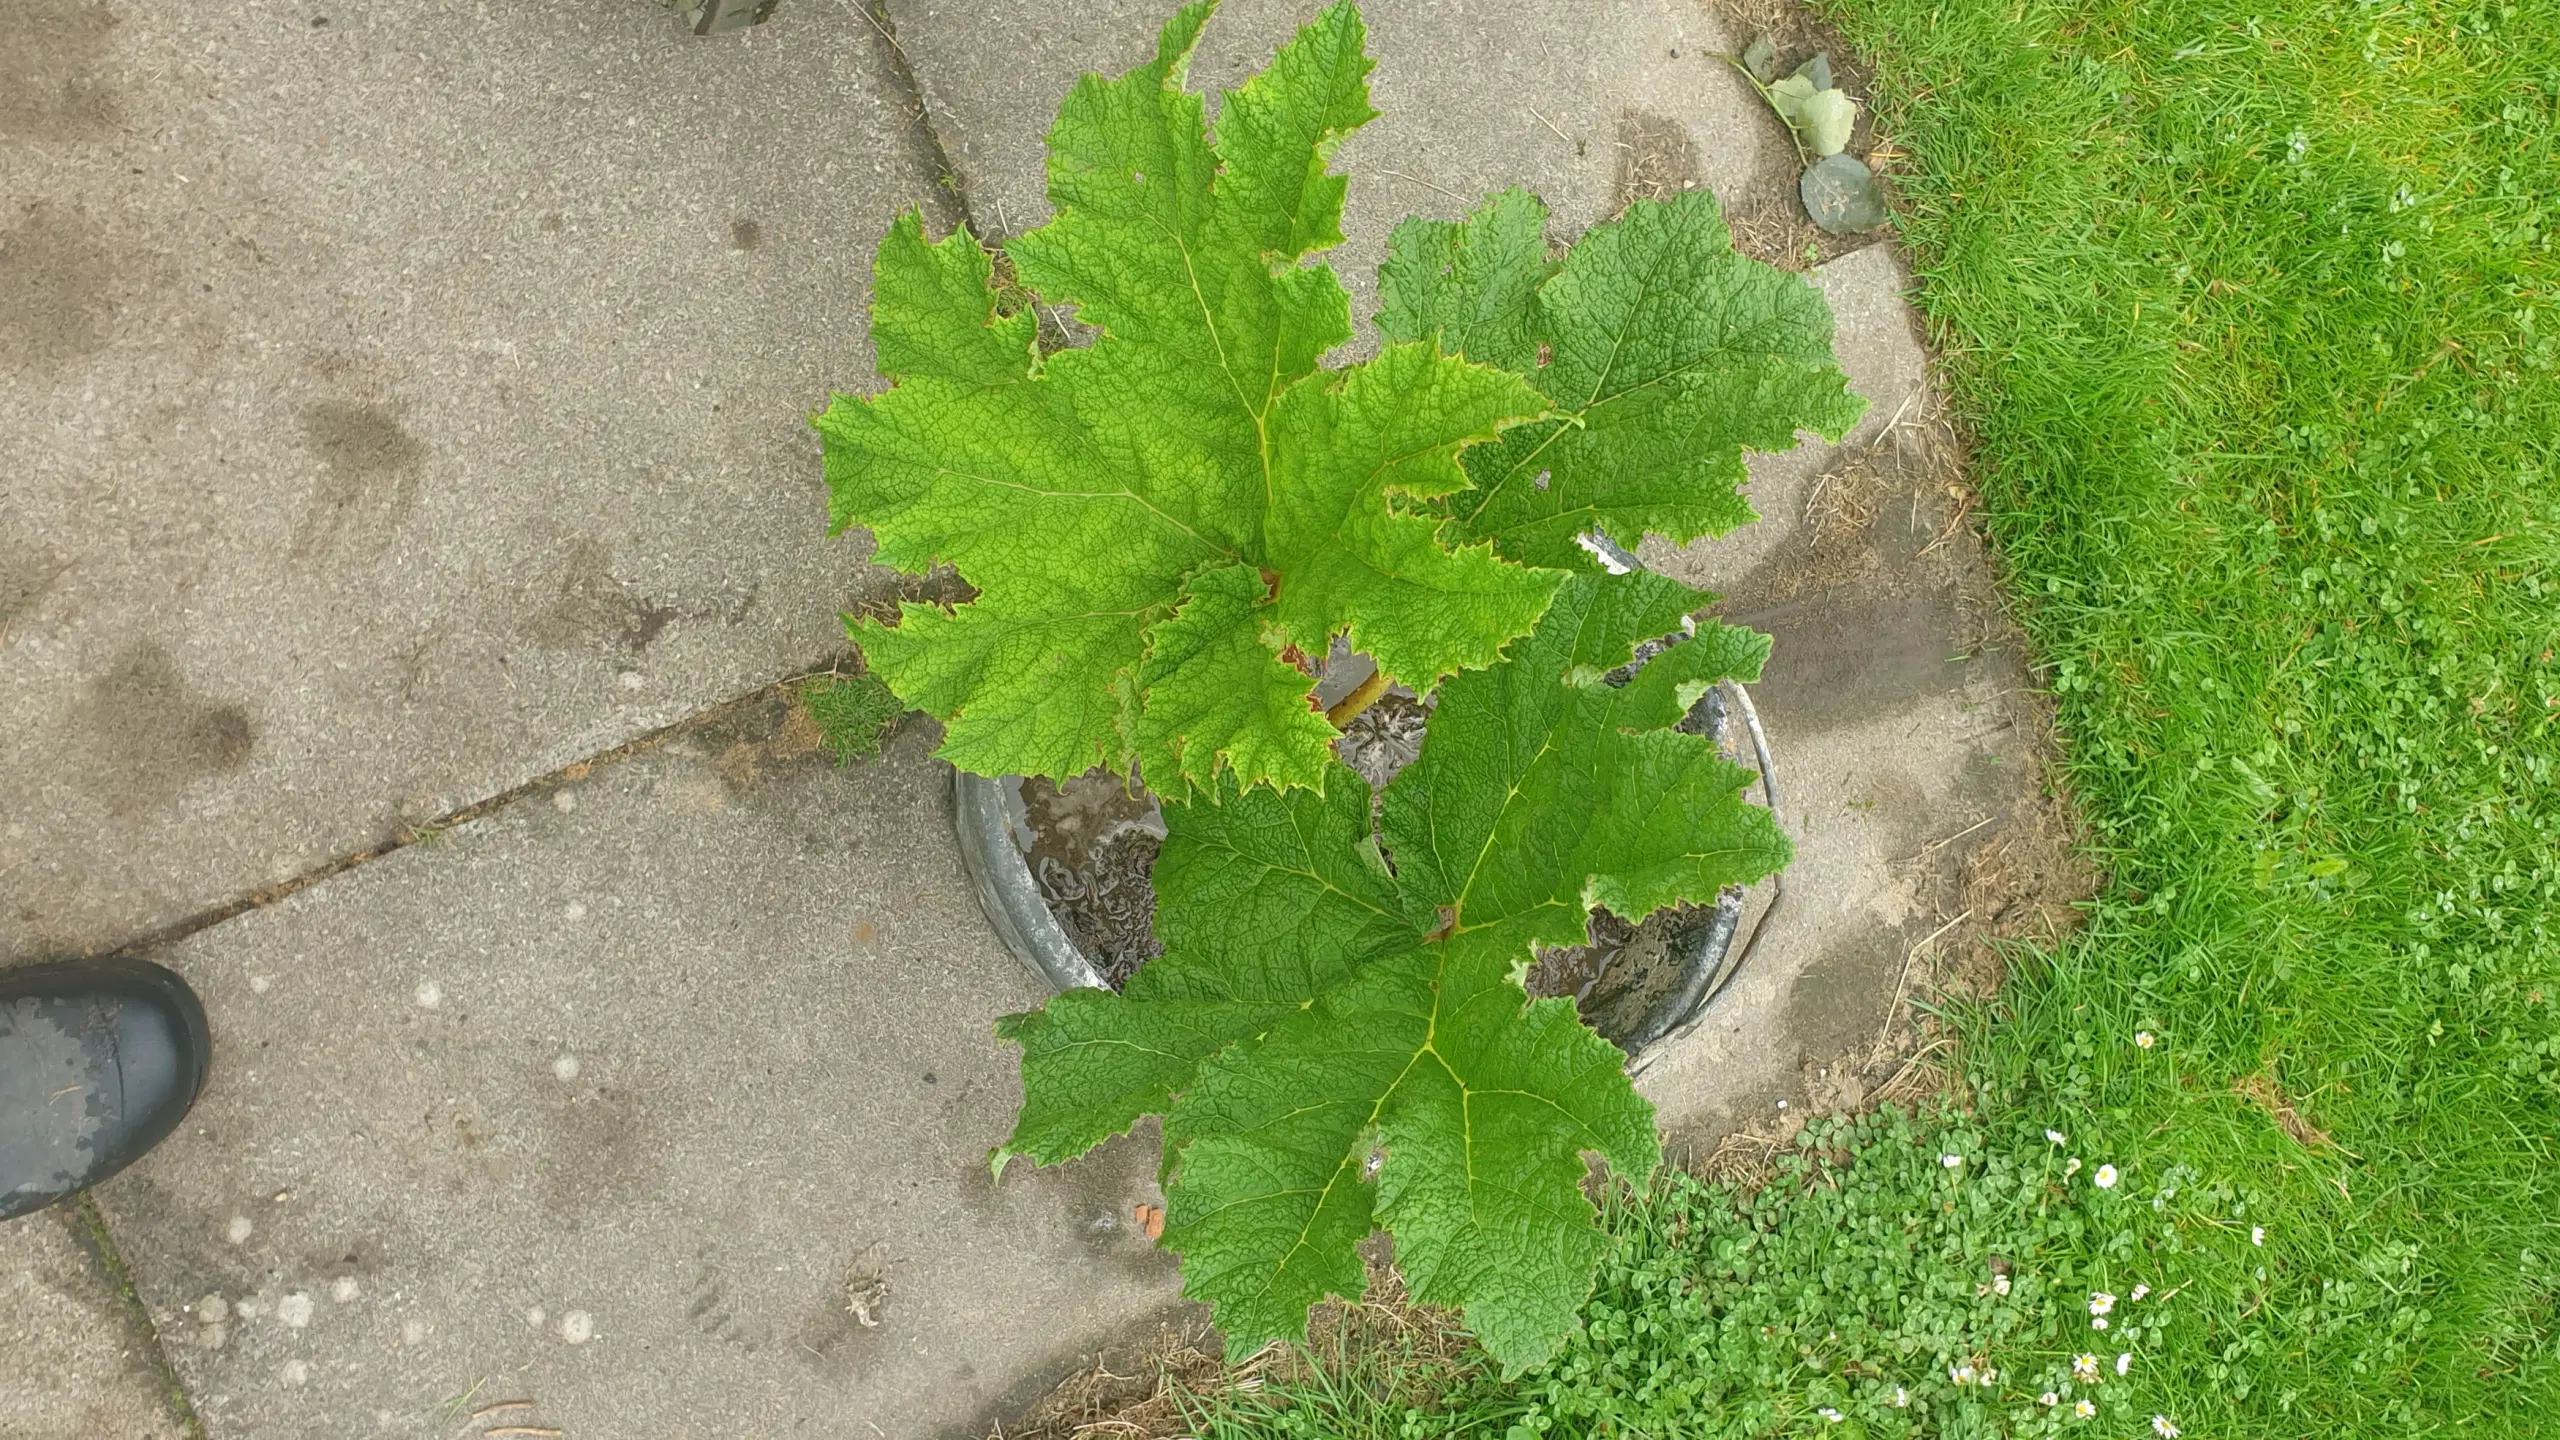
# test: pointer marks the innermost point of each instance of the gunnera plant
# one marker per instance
(1167, 523)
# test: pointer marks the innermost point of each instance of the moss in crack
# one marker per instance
(90, 1229)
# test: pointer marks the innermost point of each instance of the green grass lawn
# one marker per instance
(2253, 312)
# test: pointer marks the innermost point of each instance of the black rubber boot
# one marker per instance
(99, 1060)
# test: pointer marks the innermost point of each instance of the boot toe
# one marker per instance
(99, 1061)
(160, 1061)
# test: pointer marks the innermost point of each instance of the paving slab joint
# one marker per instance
(89, 1228)
(950, 191)
(269, 894)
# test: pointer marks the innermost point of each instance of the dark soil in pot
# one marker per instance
(1092, 846)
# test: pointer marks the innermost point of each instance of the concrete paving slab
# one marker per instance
(660, 1101)
(1583, 101)
(74, 1367)
(398, 402)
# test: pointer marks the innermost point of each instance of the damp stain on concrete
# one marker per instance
(1842, 656)
(370, 473)
(588, 604)
(56, 76)
(61, 277)
(1863, 618)
(146, 733)
(1836, 1004)
(27, 575)
(597, 1148)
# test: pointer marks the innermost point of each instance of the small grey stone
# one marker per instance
(1817, 70)
(1842, 195)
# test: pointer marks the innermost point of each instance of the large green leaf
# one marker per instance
(1663, 355)
(1156, 523)
(1336, 1033)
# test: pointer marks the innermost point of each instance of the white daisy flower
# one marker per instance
(2124, 1363)
(2145, 1039)
(1951, 1161)
(1901, 1397)
(2083, 1409)
(2084, 1367)
(2141, 1290)
(2071, 1169)
(1999, 1284)
(2100, 1302)
(2106, 1177)
(2097, 1322)
(2048, 1399)
(2257, 1234)
(1827, 1413)
(1988, 1376)
(2161, 1427)
(2054, 1136)
(1960, 1374)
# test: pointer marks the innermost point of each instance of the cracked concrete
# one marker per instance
(622, 1095)
(76, 1366)
(405, 411)
(400, 405)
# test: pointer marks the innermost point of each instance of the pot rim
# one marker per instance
(988, 818)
